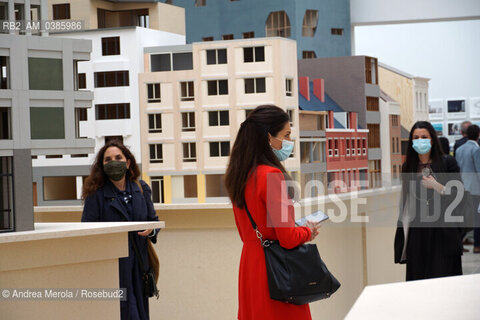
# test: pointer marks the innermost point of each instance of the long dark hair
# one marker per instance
(251, 148)
(97, 176)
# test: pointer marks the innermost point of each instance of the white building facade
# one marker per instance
(112, 75)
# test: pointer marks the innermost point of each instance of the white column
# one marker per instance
(79, 186)
(27, 17)
(11, 13)
(44, 15)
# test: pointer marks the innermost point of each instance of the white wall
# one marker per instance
(445, 52)
(382, 11)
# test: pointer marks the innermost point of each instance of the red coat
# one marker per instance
(254, 298)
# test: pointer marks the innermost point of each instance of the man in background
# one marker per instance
(468, 158)
(463, 129)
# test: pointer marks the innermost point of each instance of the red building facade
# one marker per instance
(347, 155)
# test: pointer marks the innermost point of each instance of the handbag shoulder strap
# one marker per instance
(135, 248)
(254, 225)
(137, 252)
(264, 243)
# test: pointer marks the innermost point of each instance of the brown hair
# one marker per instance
(97, 176)
(251, 148)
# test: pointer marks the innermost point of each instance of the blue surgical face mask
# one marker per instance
(422, 146)
(286, 151)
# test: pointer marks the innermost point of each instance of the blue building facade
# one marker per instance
(320, 27)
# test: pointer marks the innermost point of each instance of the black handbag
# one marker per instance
(298, 275)
(148, 277)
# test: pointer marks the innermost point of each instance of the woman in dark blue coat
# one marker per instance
(112, 192)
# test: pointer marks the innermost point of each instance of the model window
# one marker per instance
(80, 115)
(111, 79)
(290, 115)
(171, 61)
(217, 56)
(82, 81)
(248, 35)
(155, 123)
(61, 11)
(218, 118)
(217, 87)
(278, 24)
(188, 121)
(189, 152)
(186, 91)
(112, 111)
(45, 74)
(220, 149)
(289, 87)
(337, 31)
(254, 54)
(310, 21)
(153, 92)
(5, 124)
(255, 85)
(309, 55)
(157, 189)
(47, 123)
(110, 46)
(156, 153)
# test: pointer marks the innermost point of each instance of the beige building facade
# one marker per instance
(99, 14)
(410, 91)
(193, 99)
(391, 146)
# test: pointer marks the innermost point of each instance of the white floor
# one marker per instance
(470, 261)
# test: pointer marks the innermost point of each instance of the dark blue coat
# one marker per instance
(104, 206)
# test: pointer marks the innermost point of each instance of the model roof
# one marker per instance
(316, 104)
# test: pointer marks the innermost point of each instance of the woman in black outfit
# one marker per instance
(114, 192)
(428, 245)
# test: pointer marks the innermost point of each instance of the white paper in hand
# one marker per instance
(318, 216)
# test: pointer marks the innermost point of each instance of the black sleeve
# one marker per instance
(452, 165)
(463, 208)
(452, 173)
(91, 209)
(151, 214)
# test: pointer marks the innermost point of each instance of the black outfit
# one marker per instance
(433, 249)
(445, 145)
(109, 204)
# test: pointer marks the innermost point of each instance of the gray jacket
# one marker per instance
(468, 158)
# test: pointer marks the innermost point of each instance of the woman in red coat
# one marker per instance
(255, 176)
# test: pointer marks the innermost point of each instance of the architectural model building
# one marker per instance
(321, 28)
(39, 111)
(193, 99)
(117, 43)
